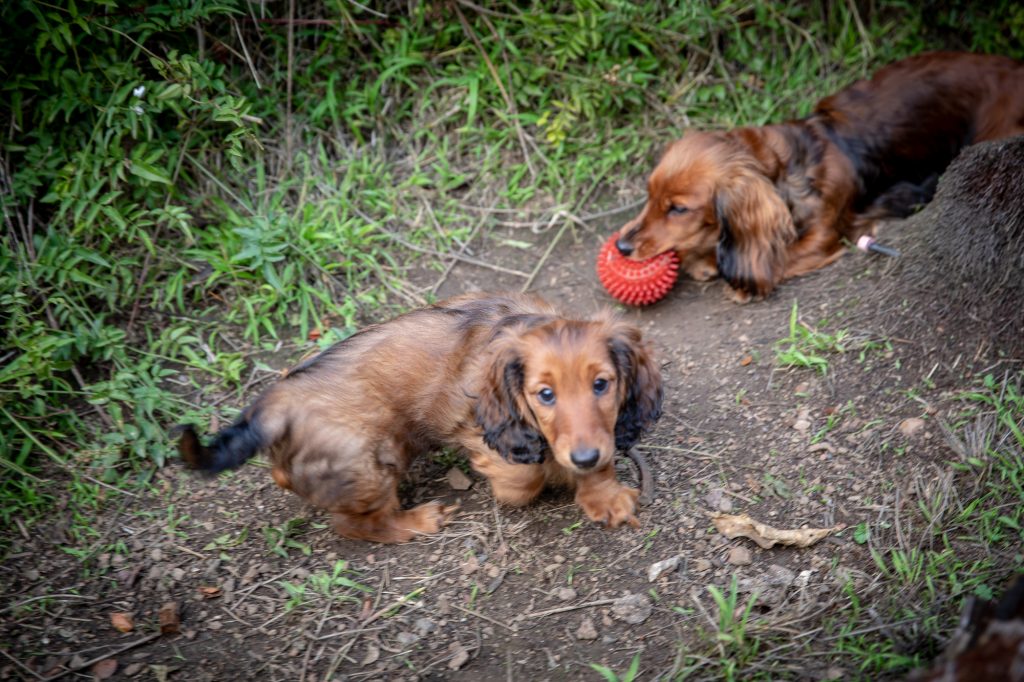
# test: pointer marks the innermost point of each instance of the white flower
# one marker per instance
(137, 109)
(139, 91)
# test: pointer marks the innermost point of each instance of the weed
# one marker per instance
(805, 344)
(282, 538)
(611, 676)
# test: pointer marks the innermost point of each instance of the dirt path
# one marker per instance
(265, 591)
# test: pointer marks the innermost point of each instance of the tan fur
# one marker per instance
(759, 205)
(342, 429)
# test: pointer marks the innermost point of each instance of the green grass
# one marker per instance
(174, 232)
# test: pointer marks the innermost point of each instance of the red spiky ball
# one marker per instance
(636, 282)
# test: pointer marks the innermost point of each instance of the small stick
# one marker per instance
(115, 652)
(563, 609)
(482, 616)
(646, 479)
(22, 665)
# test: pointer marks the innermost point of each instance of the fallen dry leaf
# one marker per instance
(105, 669)
(122, 622)
(372, 654)
(746, 360)
(741, 525)
(209, 592)
(170, 623)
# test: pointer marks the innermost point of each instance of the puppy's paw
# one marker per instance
(737, 296)
(612, 504)
(430, 517)
(702, 272)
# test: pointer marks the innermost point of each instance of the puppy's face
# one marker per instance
(680, 211)
(571, 389)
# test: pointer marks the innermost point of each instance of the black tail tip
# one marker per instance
(190, 448)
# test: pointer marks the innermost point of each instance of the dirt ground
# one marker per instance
(265, 591)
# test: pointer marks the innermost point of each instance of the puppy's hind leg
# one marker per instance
(390, 523)
(358, 484)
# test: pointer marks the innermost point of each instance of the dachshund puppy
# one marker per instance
(533, 397)
(760, 205)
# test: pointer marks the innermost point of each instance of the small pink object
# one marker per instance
(867, 243)
(636, 282)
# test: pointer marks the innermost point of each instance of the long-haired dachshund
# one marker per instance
(760, 205)
(534, 398)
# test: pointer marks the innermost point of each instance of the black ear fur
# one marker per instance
(642, 391)
(498, 413)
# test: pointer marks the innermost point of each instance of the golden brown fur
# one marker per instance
(760, 205)
(472, 372)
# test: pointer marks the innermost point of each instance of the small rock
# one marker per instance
(565, 594)
(407, 638)
(801, 425)
(157, 554)
(586, 630)
(133, 669)
(372, 654)
(170, 622)
(739, 556)
(701, 565)
(660, 568)
(911, 427)
(470, 565)
(31, 575)
(725, 505)
(459, 656)
(458, 480)
(835, 673)
(105, 669)
(714, 498)
(632, 608)
(424, 626)
(177, 574)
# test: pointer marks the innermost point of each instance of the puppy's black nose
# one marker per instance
(585, 459)
(624, 247)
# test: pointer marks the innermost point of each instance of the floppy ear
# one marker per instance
(640, 379)
(500, 411)
(756, 230)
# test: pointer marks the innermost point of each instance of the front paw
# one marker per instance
(611, 505)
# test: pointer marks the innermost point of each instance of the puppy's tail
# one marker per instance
(230, 448)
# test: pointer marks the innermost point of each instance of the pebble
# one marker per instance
(587, 630)
(565, 593)
(407, 638)
(660, 568)
(424, 626)
(701, 565)
(632, 608)
(911, 427)
(458, 480)
(739, 556)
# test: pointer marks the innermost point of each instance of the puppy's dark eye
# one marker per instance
(546, 396)
(677, 210)
(600, 386)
